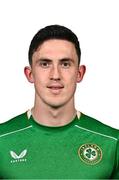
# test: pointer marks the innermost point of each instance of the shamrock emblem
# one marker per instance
(90, 153)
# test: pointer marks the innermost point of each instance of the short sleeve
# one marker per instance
(115, 174)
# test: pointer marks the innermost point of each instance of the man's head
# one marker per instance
(53, 32)
(54, 57)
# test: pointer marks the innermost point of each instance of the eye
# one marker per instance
(44, 64)
(66, 64)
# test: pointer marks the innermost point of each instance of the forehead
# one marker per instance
(56, 48)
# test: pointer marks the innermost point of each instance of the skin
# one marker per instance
(55, 73)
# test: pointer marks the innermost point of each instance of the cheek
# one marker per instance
(39, 77)
(72, 81)
(74, 78)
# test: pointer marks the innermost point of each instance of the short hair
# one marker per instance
(53, 32)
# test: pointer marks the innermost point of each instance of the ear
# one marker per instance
(81, 72)
(28, 74)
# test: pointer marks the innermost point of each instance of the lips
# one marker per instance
(55, 87)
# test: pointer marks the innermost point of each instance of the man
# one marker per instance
(53, 140)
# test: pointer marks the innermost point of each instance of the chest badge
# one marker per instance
(18, 158)
(90, 153)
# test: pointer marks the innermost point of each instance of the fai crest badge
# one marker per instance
(90, 153)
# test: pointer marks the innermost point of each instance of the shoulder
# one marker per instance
(95, 126)
(14, 124)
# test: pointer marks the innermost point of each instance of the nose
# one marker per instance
(55, 73)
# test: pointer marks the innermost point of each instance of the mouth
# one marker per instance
(55, 89)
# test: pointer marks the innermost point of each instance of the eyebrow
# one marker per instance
(66, 59)
(43, 60)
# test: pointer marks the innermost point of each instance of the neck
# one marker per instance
(54, 117)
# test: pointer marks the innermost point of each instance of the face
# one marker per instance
(55, 72)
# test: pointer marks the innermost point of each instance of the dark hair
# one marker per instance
(53, 32)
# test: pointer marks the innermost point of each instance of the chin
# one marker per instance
(56, 105)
